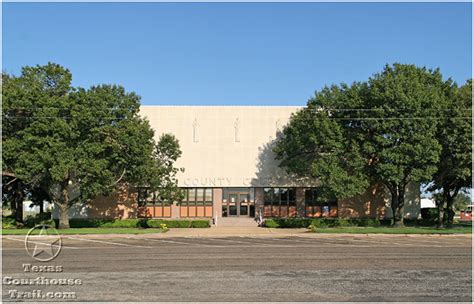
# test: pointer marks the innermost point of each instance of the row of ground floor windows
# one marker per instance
(198, 202)
(316, 207)
(279, 202)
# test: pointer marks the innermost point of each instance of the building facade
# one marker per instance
(230, 171)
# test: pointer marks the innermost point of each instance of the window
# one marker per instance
(208, 196)
(200, 195)
(292, 197)
(250, 191)
(279, 202)
(142, 195)
(151, 204)
(197, 202)
(317, 207)
(267, 196)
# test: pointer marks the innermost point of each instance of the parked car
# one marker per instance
(466, 215)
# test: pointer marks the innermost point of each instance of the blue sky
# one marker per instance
(235, 53)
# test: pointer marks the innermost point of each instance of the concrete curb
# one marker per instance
(264, 234)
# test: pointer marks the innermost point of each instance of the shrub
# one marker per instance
(142, 223)
(178, 223)
(341, 222)
(428, 223)
(87, 223)
(40, 218)
(270, 223)
(420, 222)
(107, 223)
(200, 224)
(359, 222)
(319, 223)
(125, 223)
(373, 223)
(429, 215)
(156, 223)
(295, 223)
(287, 222)
(8, 222)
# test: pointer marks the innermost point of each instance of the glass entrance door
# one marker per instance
(237, 204)
(232, 204)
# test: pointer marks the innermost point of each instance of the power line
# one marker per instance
(309, 118)
(304, 109)
(381, 109)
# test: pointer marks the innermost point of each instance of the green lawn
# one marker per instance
(90, 231)
(391, 230)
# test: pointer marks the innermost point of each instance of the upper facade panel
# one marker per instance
(224, 146)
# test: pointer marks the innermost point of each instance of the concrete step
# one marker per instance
(236, 222)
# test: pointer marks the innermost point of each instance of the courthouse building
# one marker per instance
(230, 172)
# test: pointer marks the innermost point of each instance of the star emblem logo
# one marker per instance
(43, 243)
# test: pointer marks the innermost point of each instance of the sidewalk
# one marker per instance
(279, 232)
(213, 232)
(217, 232)
(233, 231)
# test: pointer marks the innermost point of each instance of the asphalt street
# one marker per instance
(297, 268)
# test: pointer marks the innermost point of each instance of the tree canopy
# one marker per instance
(382, 130)
(317, 144)
(453, 172)
(77, 143)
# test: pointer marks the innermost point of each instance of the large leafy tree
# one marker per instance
(20, 96)
(75, 143)
(455, 136)
(382, 130)
(405, 104)
(318, 144)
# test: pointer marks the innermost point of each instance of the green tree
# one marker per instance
(383, 130)
(76, 143)
(406, 103)
(18, 100)
(318, 145)
(163, 178)
(455, 136)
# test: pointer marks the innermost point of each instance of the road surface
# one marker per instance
(298, 268)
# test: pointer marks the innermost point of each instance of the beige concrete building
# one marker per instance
(231, 172)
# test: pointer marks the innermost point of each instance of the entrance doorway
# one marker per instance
(238, 203)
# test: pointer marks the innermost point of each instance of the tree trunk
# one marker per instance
(13, 207)
(398, 202)
(450, 212)
(394, 206)
(440, 214)
(41, 207)
(18, 206)
(64, 208)
(63, 216)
